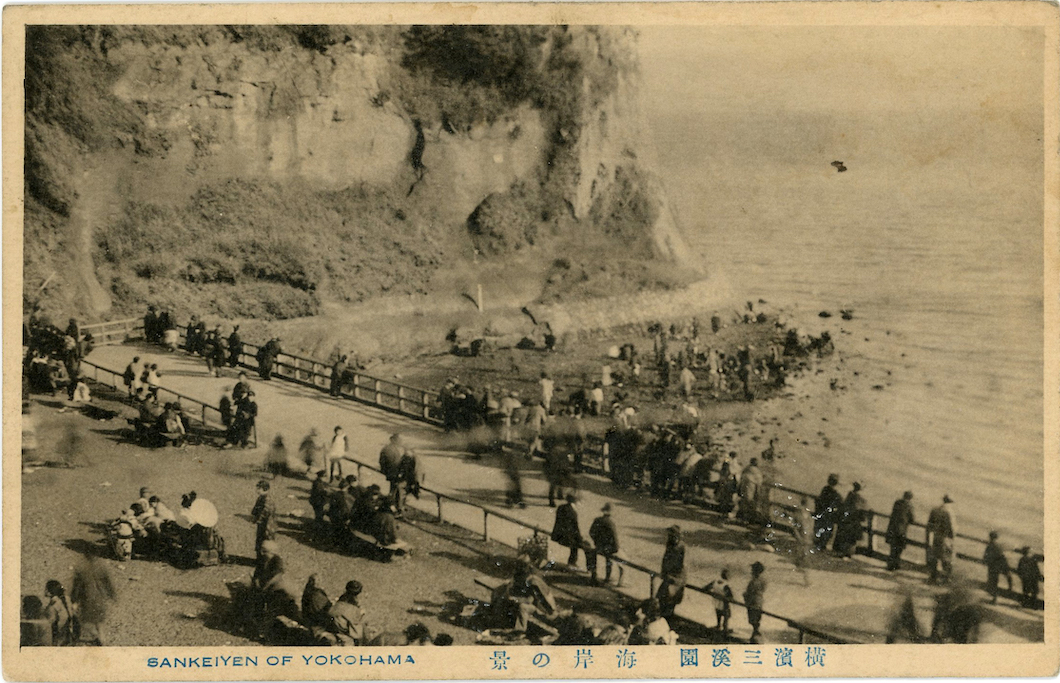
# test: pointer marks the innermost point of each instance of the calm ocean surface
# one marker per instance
(933, 236)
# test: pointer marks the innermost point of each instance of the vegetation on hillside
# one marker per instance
(248, 247)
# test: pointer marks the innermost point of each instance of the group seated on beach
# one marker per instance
(148, 529)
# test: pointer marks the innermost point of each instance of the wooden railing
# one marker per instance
(207, 415)
(115, 331)
(422, 405)
(652, 576)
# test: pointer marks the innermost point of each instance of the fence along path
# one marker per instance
(421, 404)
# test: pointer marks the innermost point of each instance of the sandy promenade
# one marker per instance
(852, 599)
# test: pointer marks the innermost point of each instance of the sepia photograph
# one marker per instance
(525, 334)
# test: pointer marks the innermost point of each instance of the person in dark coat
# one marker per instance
(754, 600)
(338, 375)
(901, 517)
(243, 421)
(996, 567)
(264, 516)
(384, 525)
(315, 606)
(558, 470)
(567, 532)
(826, 512)
(318, 495)
(152, 332)
(672, 589)
(851, 522)
(605, 540)
(235, 347)
(1030, 577)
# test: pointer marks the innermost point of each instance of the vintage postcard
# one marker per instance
(483, 341)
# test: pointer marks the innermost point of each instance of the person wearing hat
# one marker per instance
(605, 538)
(264, 516)
(754, 599)
(245, 417)
(826, 512)
(996, 567)
(672, 573)
(941, 528)
(1030, 576)
(347, 616)
(390, 466)
(851, 522)
(567, 532)
(897, 528)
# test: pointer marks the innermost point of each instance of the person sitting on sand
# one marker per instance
(347, 617)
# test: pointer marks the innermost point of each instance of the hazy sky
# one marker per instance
(975, 89)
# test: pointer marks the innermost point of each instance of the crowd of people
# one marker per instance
(51, 360)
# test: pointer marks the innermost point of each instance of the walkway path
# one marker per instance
(852, 599)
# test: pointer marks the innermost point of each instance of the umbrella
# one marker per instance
(201, 512)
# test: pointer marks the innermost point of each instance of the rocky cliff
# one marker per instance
(261, 171)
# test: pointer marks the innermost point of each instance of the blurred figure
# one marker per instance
(996, 567)
(672, 588)
(904, 627)
(92, 591)
(957, 615)
(1030, 577)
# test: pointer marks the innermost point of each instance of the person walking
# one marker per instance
(264, 516)
(337, 451)
(941, 528)
(338, 373)
(319, 493)
(390, 465)
(826, 512)
(721, 591)
(897, 528)
(802, 530)
(92, 591)
(235, 347)
(245, 417)
(130, 375)
(567, 532)
(604, 536)
(754, 599)
(548, 388)
(688, 380)
(996, 567)
(672, 573)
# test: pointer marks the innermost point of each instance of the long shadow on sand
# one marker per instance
(218, 615)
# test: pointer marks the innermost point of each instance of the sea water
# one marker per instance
(932, 236)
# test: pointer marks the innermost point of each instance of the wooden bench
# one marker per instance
(386, 553)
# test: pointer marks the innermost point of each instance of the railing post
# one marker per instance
(359, 468)
(438, 497)
(651, 585)
(426, 406)
(485, 524)
(401, 398)
(204, 415)
(378, 394)
(872, 532)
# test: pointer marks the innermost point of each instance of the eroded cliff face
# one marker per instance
(262, 173)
